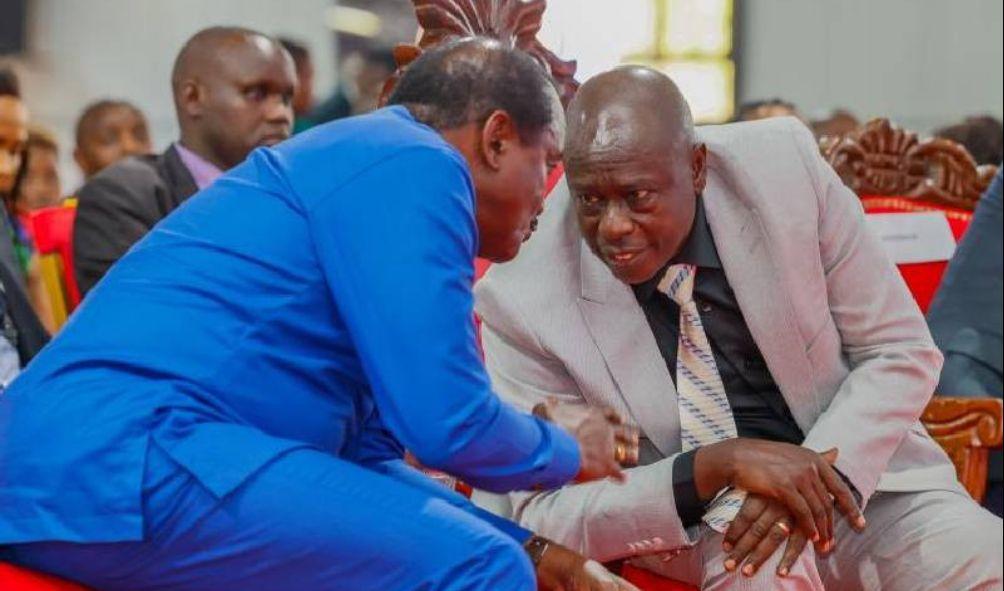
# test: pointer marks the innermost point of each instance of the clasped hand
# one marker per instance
(606, 443)
(791, 494)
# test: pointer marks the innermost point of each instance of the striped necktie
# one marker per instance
(705, 414)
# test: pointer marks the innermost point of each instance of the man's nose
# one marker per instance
(279, 110)
(615, 224)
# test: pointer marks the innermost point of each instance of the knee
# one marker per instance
(975, 563)
(982, 551)
(495, 564)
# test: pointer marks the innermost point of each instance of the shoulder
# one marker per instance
(131, 177)
(387, 144)
(766, 163)
(751, 138)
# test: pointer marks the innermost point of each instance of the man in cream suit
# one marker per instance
(719, 287)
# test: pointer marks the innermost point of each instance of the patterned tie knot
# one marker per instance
(678, 283)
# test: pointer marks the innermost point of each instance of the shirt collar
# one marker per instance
(203, 171)
(698, 250)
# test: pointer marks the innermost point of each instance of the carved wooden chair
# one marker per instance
(893, 170)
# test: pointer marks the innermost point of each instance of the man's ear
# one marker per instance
(497, 135)
(699, 167)
(190, 98)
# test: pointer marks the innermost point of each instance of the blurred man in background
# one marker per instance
(233, 92)
(982, 135)
(108, 131)
(22, 335)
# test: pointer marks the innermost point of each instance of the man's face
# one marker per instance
(13, 136)
(509, 204)
(40, 186)
(635, 206)
(247, 103)
(117, 132)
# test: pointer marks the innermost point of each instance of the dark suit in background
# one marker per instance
(18, 322)
(966, 321)
(120, 205)
(24, 330)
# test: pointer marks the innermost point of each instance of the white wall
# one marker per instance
(84, 50)
(923, 63)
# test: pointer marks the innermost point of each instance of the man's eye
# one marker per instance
(255, 93)
(589, 199)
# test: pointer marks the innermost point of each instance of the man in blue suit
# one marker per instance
(966, 318)
(230, 405)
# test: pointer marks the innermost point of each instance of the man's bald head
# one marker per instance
(635, 169)
(628, 106)
(232, 90)
(201, 55)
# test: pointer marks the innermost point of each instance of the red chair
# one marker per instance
(52, 230)
(923, 279)
(648, 581)
(14, 578)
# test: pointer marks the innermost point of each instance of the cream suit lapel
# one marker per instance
(624, 338)
(753, 274)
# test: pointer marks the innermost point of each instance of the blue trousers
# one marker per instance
(308, 520)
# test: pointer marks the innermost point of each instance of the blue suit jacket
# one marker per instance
(318, 295)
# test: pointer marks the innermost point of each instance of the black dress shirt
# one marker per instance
(757, 405)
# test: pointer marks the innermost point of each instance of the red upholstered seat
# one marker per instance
(52, 228)
(14, 578)
(647, 581)
(922, 278)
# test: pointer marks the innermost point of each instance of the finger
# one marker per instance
(752, 507)
(778, 534)
(817, 508)
(627, 433)
(628, 437)
(803, 515)
(612, 416)
(824, 495)
(830, 455)
(796, 544)
(846, 503)
(613, 471)
(757, 532)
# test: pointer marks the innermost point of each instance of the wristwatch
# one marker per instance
(535, 547)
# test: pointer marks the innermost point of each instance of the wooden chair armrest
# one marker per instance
(967, 428)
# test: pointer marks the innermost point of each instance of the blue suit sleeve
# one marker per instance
(396, 245)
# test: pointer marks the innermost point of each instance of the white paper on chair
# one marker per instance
(921, 237)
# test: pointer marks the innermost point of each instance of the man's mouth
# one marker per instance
(273, 139)
(622, 258)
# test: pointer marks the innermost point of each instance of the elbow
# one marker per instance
(434, 452)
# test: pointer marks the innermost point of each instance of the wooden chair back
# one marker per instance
(893, 169)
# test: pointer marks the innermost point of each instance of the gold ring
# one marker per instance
(620, 453)
(784, 527)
